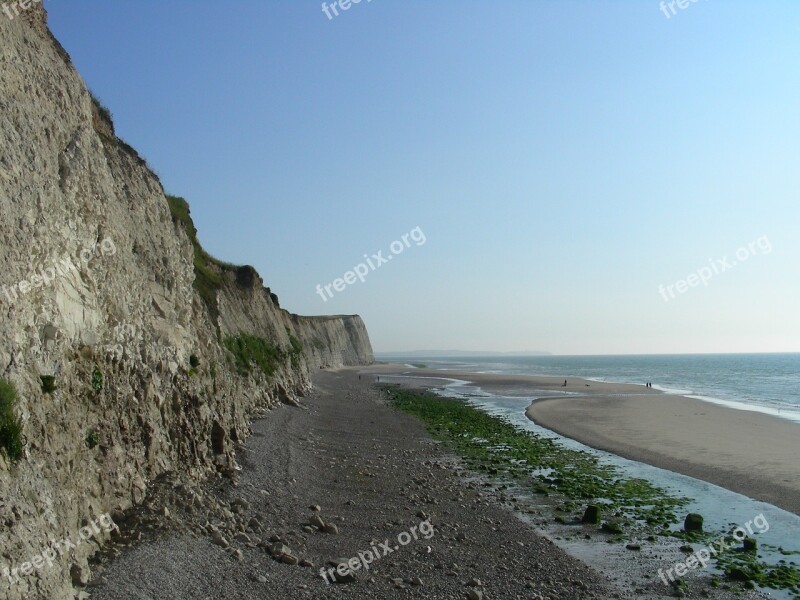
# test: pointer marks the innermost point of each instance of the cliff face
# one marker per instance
(133, 353)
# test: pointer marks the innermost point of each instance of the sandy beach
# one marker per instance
(747, 452)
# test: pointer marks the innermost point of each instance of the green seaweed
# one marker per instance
(548, 467)
(632, 506)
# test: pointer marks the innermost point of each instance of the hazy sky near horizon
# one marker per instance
(563, 159)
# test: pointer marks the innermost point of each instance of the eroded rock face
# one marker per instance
(97, 291)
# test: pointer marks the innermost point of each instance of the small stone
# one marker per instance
(348, 576)
(240, 504)
(277, 549)
(612, 527)
(315, 508)
(331, 528)
(633, 547)
(242, 538)
(317, 522)
(289, 559)
(218, 538)
(416, 581)
(474, 583)
(475, 595)
(79, 574)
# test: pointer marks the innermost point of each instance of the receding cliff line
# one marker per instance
(138, 354)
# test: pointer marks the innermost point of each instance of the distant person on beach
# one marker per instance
(564, 384)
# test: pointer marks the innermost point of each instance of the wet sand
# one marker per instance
(747, 452)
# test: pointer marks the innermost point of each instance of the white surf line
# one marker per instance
(455, 382)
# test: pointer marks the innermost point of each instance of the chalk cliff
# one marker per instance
(133, 353)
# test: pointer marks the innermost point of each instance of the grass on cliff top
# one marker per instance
(10, 426)
(102, 109)
(207, 280)
(492, 445)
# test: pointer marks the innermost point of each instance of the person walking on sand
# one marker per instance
(564, 384)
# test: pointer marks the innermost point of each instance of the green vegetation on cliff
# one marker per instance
(10, 426)
(207, 279)
(251, 351)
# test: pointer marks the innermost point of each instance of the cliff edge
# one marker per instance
(127, 351)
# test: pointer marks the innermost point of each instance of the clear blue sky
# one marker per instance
(563, 159)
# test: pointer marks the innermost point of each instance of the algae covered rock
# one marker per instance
(591, 515)
(693, 522)
(612, 527)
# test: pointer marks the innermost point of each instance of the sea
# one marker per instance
(767, 383)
